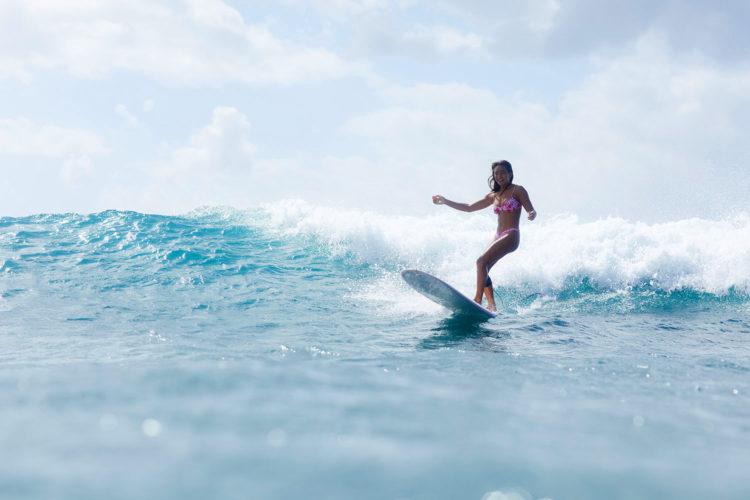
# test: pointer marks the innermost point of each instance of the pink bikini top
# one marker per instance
(509, 205)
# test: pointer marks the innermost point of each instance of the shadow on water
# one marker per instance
(458, 330)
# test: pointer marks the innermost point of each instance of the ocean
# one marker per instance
(275, 352)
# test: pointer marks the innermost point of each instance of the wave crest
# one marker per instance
(557, 253)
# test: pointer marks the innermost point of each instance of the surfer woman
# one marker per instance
(506, 200)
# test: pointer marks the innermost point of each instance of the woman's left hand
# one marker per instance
(532, 215)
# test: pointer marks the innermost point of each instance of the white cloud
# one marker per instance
(582, 27)
(346, 10)
(220, 148)
(194, 42)
(663, 114)
(446, 40)
(23, 137)
(539, 28)
(75, 167)
(387, 28)
(217, 166)
(384, 36)
(181, 42)
(122, 111)
(636, 139)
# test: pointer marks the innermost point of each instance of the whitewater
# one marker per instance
(275, 352)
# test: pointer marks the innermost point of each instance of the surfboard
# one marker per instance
(441, 292)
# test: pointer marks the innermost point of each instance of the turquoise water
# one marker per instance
(276, 353)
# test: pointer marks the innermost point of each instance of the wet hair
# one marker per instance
(491, 181)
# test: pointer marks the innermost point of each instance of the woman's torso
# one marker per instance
(507, 206)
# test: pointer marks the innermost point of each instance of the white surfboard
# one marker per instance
(441, 292)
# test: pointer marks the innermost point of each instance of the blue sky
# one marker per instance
(636, 109)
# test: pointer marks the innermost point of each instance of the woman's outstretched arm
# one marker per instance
(526, 202)
(464, 207)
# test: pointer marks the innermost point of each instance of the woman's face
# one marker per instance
(501, 175)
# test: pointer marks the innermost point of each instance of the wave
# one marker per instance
(558, 254)
(610, 264)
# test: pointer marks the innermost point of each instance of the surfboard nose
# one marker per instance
(442, 293)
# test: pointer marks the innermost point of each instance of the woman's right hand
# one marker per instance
(438, 200)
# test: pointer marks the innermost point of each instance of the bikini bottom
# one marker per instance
(500, 235)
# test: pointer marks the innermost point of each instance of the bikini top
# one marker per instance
(509, 205)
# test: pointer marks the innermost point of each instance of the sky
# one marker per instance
(637, 109)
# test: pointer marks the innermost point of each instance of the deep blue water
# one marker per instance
(275, 353)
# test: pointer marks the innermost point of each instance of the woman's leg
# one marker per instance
(489, 293)
(497, 249)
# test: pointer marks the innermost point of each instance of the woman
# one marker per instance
(506, 199)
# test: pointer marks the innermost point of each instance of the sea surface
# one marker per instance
(275, 352)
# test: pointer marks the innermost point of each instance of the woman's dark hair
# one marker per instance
(491, 180)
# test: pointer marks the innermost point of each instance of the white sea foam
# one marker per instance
(612, 254)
